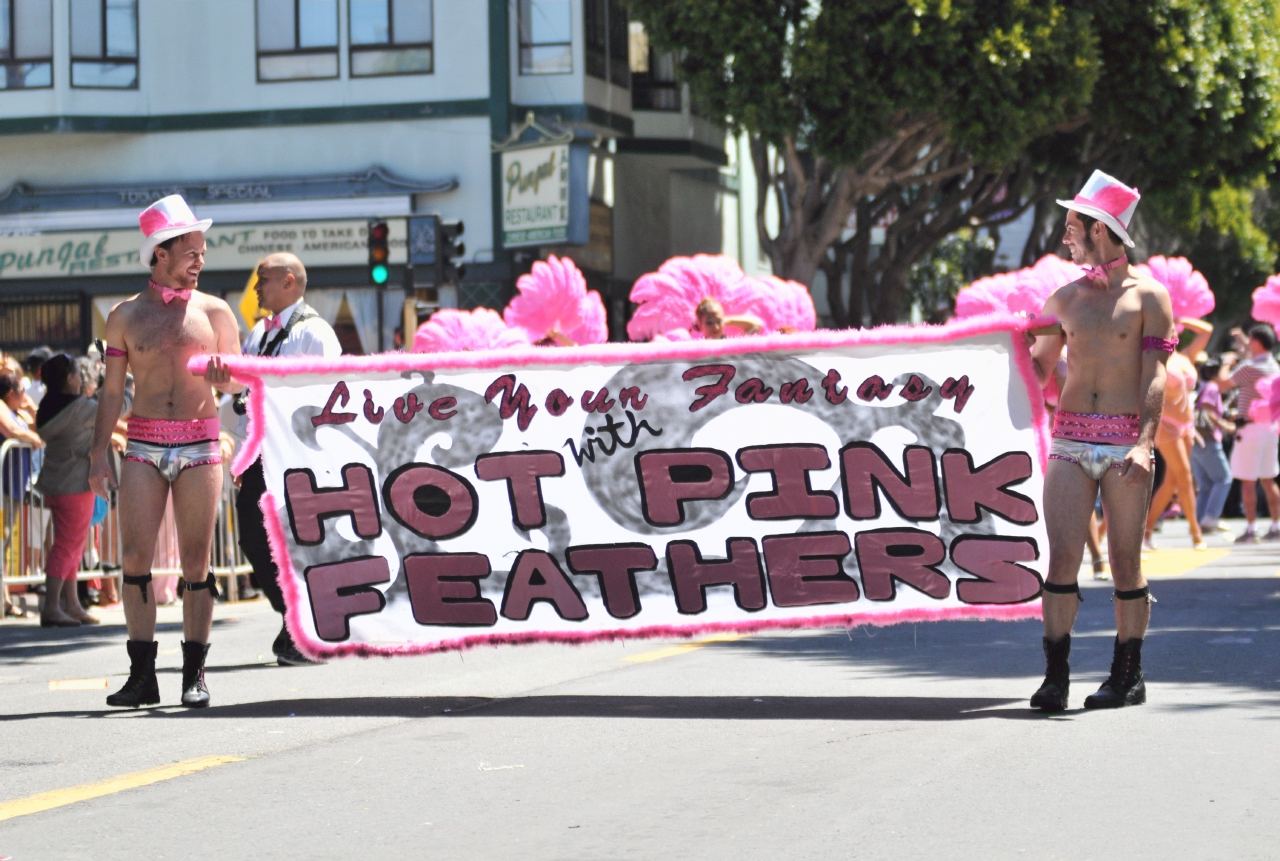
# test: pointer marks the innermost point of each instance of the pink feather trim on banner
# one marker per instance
(450, 331)
(554, 301)
(252, 445)
(1189, 291)
(1266, 302)
(1023, 291)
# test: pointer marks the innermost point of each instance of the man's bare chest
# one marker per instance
(1102, 318)
(171, 332)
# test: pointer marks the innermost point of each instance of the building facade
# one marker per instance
(291, 123)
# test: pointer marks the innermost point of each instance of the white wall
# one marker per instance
(200, 56)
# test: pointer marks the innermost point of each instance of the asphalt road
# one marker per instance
(905, 742)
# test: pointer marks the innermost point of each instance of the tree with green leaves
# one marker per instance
(926, 116)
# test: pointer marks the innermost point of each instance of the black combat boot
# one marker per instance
(1125, 686)
(1052, 696)
(141, 690)
(195, 693)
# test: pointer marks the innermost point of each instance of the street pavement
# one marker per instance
(913, 741)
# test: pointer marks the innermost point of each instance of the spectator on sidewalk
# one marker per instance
(1208, 461)
(66, 420)
(1256, 457)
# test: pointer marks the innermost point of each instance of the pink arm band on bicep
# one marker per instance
(116, 351)
(1164, 345)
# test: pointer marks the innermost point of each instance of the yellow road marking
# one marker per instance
(77, 684)
(61, 797)
(680, 648)
(1172, 563)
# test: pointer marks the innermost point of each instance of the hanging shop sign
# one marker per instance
(230, 247)
(545, 195)
(418, 503)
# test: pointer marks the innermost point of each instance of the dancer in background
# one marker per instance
(1174, 439)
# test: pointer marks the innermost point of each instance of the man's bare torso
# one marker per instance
(1103, 331)
(159, 339)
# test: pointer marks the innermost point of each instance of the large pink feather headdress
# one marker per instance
(1266, 302)
(1189, 292)
(669, 298)
(555, 305)
(1265, 408)
(1023, 291)
(452, 331)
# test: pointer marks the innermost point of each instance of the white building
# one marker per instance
(292, 122)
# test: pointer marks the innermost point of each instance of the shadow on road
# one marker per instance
(1218, 632)
(669, 708)
(20, 644)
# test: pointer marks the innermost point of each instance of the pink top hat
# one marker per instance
(1108, 200)
(163, 220)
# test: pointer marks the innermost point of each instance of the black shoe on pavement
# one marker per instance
(291, 657)
(141, 690)
(195, 694)
(283, 642)
(1052, 696)
(1125, 686)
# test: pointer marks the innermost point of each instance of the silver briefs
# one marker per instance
(1094, 458)
(172, 460)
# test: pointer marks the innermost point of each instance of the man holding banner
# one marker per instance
(173, 440)
(293, 329)
(1119, 327)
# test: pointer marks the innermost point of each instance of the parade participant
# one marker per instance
(1254, 459)
(173, 440)
(293, 329)
(1119, 330)
(1174, 439)
(554, 308)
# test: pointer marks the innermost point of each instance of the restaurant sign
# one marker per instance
(230, 247)
(544, 195)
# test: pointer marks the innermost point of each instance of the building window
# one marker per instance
(297, 39)
(390, 37)
(654, 86)
(546, 37)
(104, 43)
(606, 26)
(26, 44)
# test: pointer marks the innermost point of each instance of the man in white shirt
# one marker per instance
(1254, 460)
(293, 329)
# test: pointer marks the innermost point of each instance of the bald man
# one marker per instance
(293, 329)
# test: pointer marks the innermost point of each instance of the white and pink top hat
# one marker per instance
(1108, 200)
(166, 218)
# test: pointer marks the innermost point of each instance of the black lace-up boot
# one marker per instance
(141, 690)
(1125, 685)
(195, 693)
(1052, 696)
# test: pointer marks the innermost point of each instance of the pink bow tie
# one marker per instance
(274, 322)
(168, 294)
(1099, 273)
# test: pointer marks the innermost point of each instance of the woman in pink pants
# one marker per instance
(65, 421)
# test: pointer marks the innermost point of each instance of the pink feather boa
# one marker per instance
(554, 300)
(450, 331)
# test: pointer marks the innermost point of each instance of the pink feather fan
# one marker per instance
(1263, 408)
(452, 331)
(669, 298)
(1023, 291)
(1189, 292)
(555, 306)
(784, 306)
(1266, 302)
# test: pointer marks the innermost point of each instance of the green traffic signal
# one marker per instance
(379, 274)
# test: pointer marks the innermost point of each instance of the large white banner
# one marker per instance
(421, 502)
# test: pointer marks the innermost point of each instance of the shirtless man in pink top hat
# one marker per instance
(1119, 327)
(173, 440)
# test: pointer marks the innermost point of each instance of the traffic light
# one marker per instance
(379, 252)
(449, 252)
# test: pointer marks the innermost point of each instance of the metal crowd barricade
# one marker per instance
(28, 531)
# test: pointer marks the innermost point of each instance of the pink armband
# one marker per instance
(1164, 345)
(115, 351)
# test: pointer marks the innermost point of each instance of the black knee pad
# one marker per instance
(142, 581)
(1134, 595)
(210, 583)
(1069, 589)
